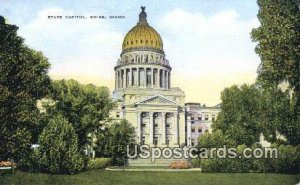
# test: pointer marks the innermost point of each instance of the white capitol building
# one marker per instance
(145, 96)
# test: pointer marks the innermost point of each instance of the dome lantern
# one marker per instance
(143, 16)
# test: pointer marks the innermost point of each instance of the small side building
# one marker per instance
(198, 121)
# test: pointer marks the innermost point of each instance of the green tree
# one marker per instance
(58, 152)
(23, 80)
(114, 145)
(239, 119)
(278, 38)
(86, 107)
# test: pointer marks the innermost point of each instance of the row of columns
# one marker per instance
(152, 77)
(163, 128)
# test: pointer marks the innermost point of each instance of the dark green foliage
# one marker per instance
(215, 139)
(98, 163)
(278, 39)
(23, 80)
(239, 119)
(115, 142)
(288, 161)
(58, 152)
(86, 107)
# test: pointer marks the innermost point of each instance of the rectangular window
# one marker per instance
(213, 117)
(199, 130)
(193, 129)
(155, 141)
(200, 117)
(206, 117)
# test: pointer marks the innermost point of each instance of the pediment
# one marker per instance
(157, 100)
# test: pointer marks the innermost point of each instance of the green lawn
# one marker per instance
(100, 177)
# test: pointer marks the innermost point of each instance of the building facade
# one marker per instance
(198, 121)
(143, 90)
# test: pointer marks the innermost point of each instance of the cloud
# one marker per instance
(74, 46)
(209, 53)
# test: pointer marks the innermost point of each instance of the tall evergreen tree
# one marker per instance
(278, 39)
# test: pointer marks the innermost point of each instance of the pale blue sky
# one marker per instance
(206, 41)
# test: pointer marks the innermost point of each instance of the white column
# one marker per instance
(176, 128)
(118, 83)
(138, 76)
(188, 137)
(167, 80)
(163, 126)
(124, 78)
(138, 122)
(129, 78)
(163, 78)
(116, 79)
(151, 132)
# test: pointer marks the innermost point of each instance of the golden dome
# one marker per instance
(142, 35)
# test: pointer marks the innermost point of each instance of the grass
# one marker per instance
(101, 177)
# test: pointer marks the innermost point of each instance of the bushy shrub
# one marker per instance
(30, 163)
(288, 161)
(58, 151)
(114, 142)
(98, 163)
(180, 165)
(227, 164)
(196, 162)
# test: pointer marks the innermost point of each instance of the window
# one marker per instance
(155, 141)
(200, 130)
(213, 117)
(118, 114)
(193, 129)
(155, 125)
(200, 117)
(192, 118)
(193, 142)
(206, 117)
(168, 126)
